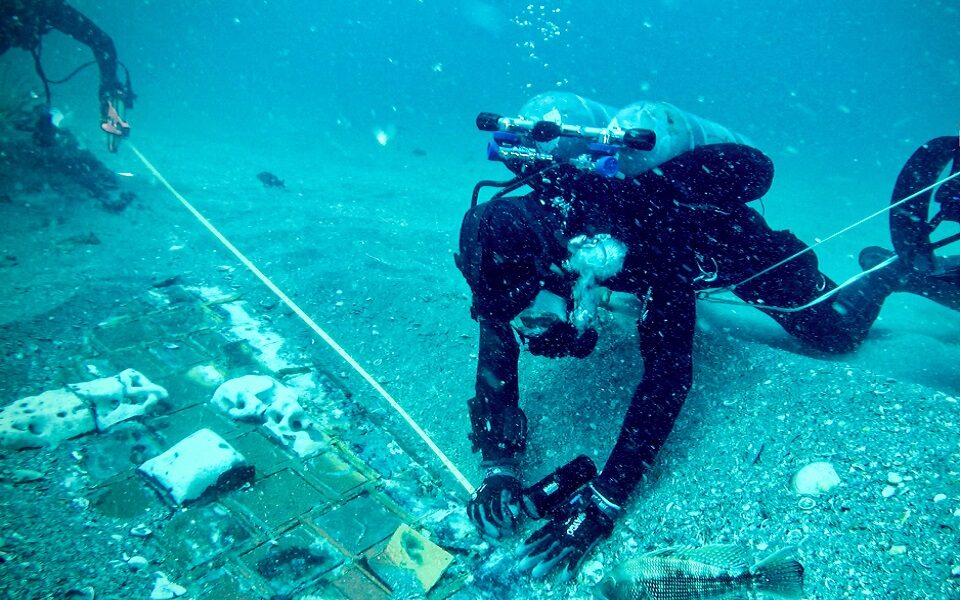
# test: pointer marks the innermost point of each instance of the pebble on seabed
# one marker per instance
(137, 563)
(25, 476)
(815, 478)
(897, 549)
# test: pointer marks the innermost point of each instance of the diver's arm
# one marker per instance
(666, 343)
(72, 22)
(498, 424)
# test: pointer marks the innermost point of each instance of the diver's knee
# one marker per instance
(827, 327)
(836, 343)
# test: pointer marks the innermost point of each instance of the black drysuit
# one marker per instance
(25, 22)
(682, 224)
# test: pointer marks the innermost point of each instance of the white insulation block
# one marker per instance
(197, 463)
(45, 420)
(249, 396)
(275, 406)
(127, 395)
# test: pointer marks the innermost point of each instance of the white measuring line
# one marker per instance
(833, 235)
(311, 324)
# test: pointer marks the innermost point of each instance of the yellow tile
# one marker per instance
(409, 549)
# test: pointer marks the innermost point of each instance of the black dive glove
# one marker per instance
(495, 506)
(563, 339)
(566, 540)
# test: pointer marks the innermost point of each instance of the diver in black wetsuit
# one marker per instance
(681, 227)
(24, 24)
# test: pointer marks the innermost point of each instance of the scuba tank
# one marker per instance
(564, 128)
(566, 108)
(676, 131)
(559, 128)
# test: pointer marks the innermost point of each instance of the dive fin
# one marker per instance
(780, 575)
(943, 285)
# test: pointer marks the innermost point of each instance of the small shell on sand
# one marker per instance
(816, 478)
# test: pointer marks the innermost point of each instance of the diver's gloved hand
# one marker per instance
(563, 339)
(112, 94)
(495, 506)
(569, 537)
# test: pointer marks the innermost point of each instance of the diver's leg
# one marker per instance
(859, 302)
(746, 245)
(837, 324)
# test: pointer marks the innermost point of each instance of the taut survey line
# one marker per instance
(461, 479)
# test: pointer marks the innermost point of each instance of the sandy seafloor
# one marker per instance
(363, 241)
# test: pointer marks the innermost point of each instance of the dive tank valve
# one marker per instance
(605, 161)
(529, 141)
(547, 131)
(608, 166)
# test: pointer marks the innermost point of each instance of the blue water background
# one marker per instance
(838, 94)
(844, 84)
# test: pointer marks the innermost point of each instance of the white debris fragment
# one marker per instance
(264, 399)
(164, 589)
(894, 478)
(45, 420)
(939, 497)
(195, 464)
(290, 424)
(138, 563)
(205, 375)
(252, 330)
(124, 396)
(247, 397)
(888, 491)
(815, 478)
